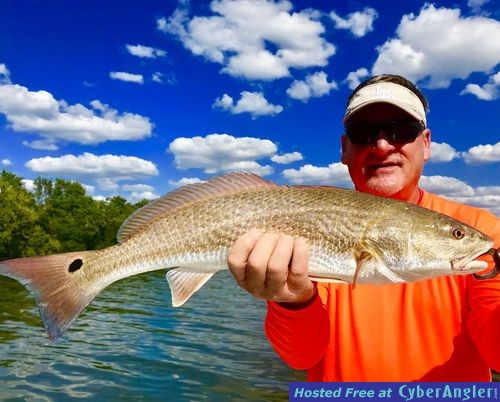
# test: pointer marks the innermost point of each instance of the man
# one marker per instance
(443, 329)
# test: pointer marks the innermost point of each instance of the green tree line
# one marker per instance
(58, 216)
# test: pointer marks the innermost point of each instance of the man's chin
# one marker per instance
(383, 188)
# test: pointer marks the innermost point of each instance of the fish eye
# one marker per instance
(457, 233)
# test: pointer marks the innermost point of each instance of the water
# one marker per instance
(130, 344)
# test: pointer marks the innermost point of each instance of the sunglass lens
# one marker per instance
(395, 132)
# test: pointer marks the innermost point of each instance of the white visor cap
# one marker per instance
(386, 92)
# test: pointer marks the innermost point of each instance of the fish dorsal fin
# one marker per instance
(230, 183)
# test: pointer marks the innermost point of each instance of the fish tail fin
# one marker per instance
(53, 281)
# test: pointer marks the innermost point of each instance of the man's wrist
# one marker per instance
(302, 304)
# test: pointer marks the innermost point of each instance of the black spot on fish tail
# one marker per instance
(75, 265)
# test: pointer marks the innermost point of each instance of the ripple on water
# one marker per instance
(131, 344)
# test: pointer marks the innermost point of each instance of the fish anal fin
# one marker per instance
(231, 183)
(184, 282)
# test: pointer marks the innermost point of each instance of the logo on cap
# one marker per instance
(382, 93)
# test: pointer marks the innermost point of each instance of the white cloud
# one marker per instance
(145, 51)
(249, 166)
(446, 186)
(107, 170)
(185, 181)
(17, 100)
(439, 45)
(443, 152)
(137, 187)
(88, 188)
(237, 34)
(156, 77)
(221, 153)
(128, 77)
(487, 197)
(476, 5)
(359, 22)
(4, 74)
(39, 113)
(287, 158)
(353, 79)
(162, 78)
(28, 184)
(315, 85)
(489, 202)
(481, 154)
(6, 162)
(489, 91)
(108, 184)
(139, 196)
(250, 102)
(333, 174)
(45, 145)
(225, 102)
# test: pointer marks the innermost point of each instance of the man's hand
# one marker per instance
(272, 267)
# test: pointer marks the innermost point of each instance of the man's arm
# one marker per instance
(274, 267)
(484, 301)
(300, 335)
(484, 319)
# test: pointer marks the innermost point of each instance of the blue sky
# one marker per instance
(137, 98)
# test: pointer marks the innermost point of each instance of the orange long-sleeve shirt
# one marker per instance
(443, 329)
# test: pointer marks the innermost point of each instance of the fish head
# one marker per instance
(420, 244)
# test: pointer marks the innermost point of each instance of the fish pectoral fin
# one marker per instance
(365, 256)
(184, 282)
(389, 274)
(362, 257)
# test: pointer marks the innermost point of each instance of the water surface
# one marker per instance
(130, 344)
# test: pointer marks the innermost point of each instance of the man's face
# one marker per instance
(385, 168)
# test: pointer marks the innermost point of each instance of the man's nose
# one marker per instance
(381, 142)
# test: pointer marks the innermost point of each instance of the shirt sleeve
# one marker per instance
(484, 302)
(300, 337)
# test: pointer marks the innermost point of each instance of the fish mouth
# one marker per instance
(469, 264)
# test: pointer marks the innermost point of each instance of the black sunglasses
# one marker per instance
(396, 131)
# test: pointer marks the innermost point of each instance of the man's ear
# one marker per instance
(343, 157)
(427, 144)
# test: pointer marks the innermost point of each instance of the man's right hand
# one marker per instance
(272, 267)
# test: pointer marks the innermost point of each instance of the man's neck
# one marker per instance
(414, 196)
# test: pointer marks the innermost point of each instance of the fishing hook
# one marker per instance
(496, 269)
